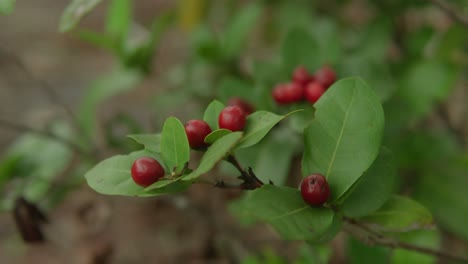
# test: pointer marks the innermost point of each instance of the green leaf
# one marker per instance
(98, 39)
(237, 31)
(374, 188)
(113, 83)
(74, 12)
(7, 6)
(212, 113)
(360, 253)
(215, 135)
(258, 125)
(214, 154)
(175, 149)
(300, 48)
(119, 18)
(400, 214)
(344, 138)
(152, 142)
(284, 209)
(112, 176)
(425, 84)
(235, 87)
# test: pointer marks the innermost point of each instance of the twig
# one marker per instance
(251, 181)
(376, 238)
(451, 11)
(49, 91)
(220, 184)
(23, 128)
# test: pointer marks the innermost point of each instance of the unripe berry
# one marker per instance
(314, 189)
(313, 91)
(232, 118)
(243, 104)
(146, 171)
(326, 76)
(196, 131)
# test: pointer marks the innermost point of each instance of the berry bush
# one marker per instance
(335, 123)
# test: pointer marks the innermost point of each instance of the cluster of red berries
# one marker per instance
(304, 86)
(146, 170)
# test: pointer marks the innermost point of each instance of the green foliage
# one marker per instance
(216, 152)
(400, 214)
(175, 149)
(151, 142)
(7, 6)
(74, 12)
(344, 138)
(215, 135)
(284, 209)
(118, 19)
(374, 187)
(300, 48)
(212, 113)
(423, 238)
(358, 253)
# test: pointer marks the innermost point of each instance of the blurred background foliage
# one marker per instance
(413, 53)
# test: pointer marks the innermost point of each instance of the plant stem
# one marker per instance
(251, 181)
(375, 238)
(451, 11)
(23, 128)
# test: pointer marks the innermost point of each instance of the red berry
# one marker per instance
(232, 118)
(301, 76)
(288, 93)
(326, 76)
(314, 189)
(146, 171)
(243, 104)
(313, 91)
(196, 131)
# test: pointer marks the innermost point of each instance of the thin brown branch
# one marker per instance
(23, 128)
(452, 12)
(251, 181)
(220, 184)
(374, 238)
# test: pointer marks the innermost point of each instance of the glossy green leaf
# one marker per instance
(425, 84)
(175, 149)
(152, 142)
(113, 83)
(119, 18)
(374, 188)
(112, 176)
(74, 12)
(284, 209)
(214, 154)
(7, 6)
(237, 31)
(344, 138)
(300, 48)
(400, 214)
(258, 125)
(215, 135)
(212, 113)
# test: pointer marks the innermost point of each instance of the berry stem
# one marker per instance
(369, 236)
(251, 181)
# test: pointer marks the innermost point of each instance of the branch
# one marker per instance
(23, 128)
(451, 11)
(251, 181)
(374, 238)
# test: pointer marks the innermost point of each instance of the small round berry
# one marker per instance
(279, 94)
(243, 104)
(313, 91)
(314, 189)
(294, 92)
(196, 131)
(301, 76)
(326, 76)
(232, 118)
(146, 171)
